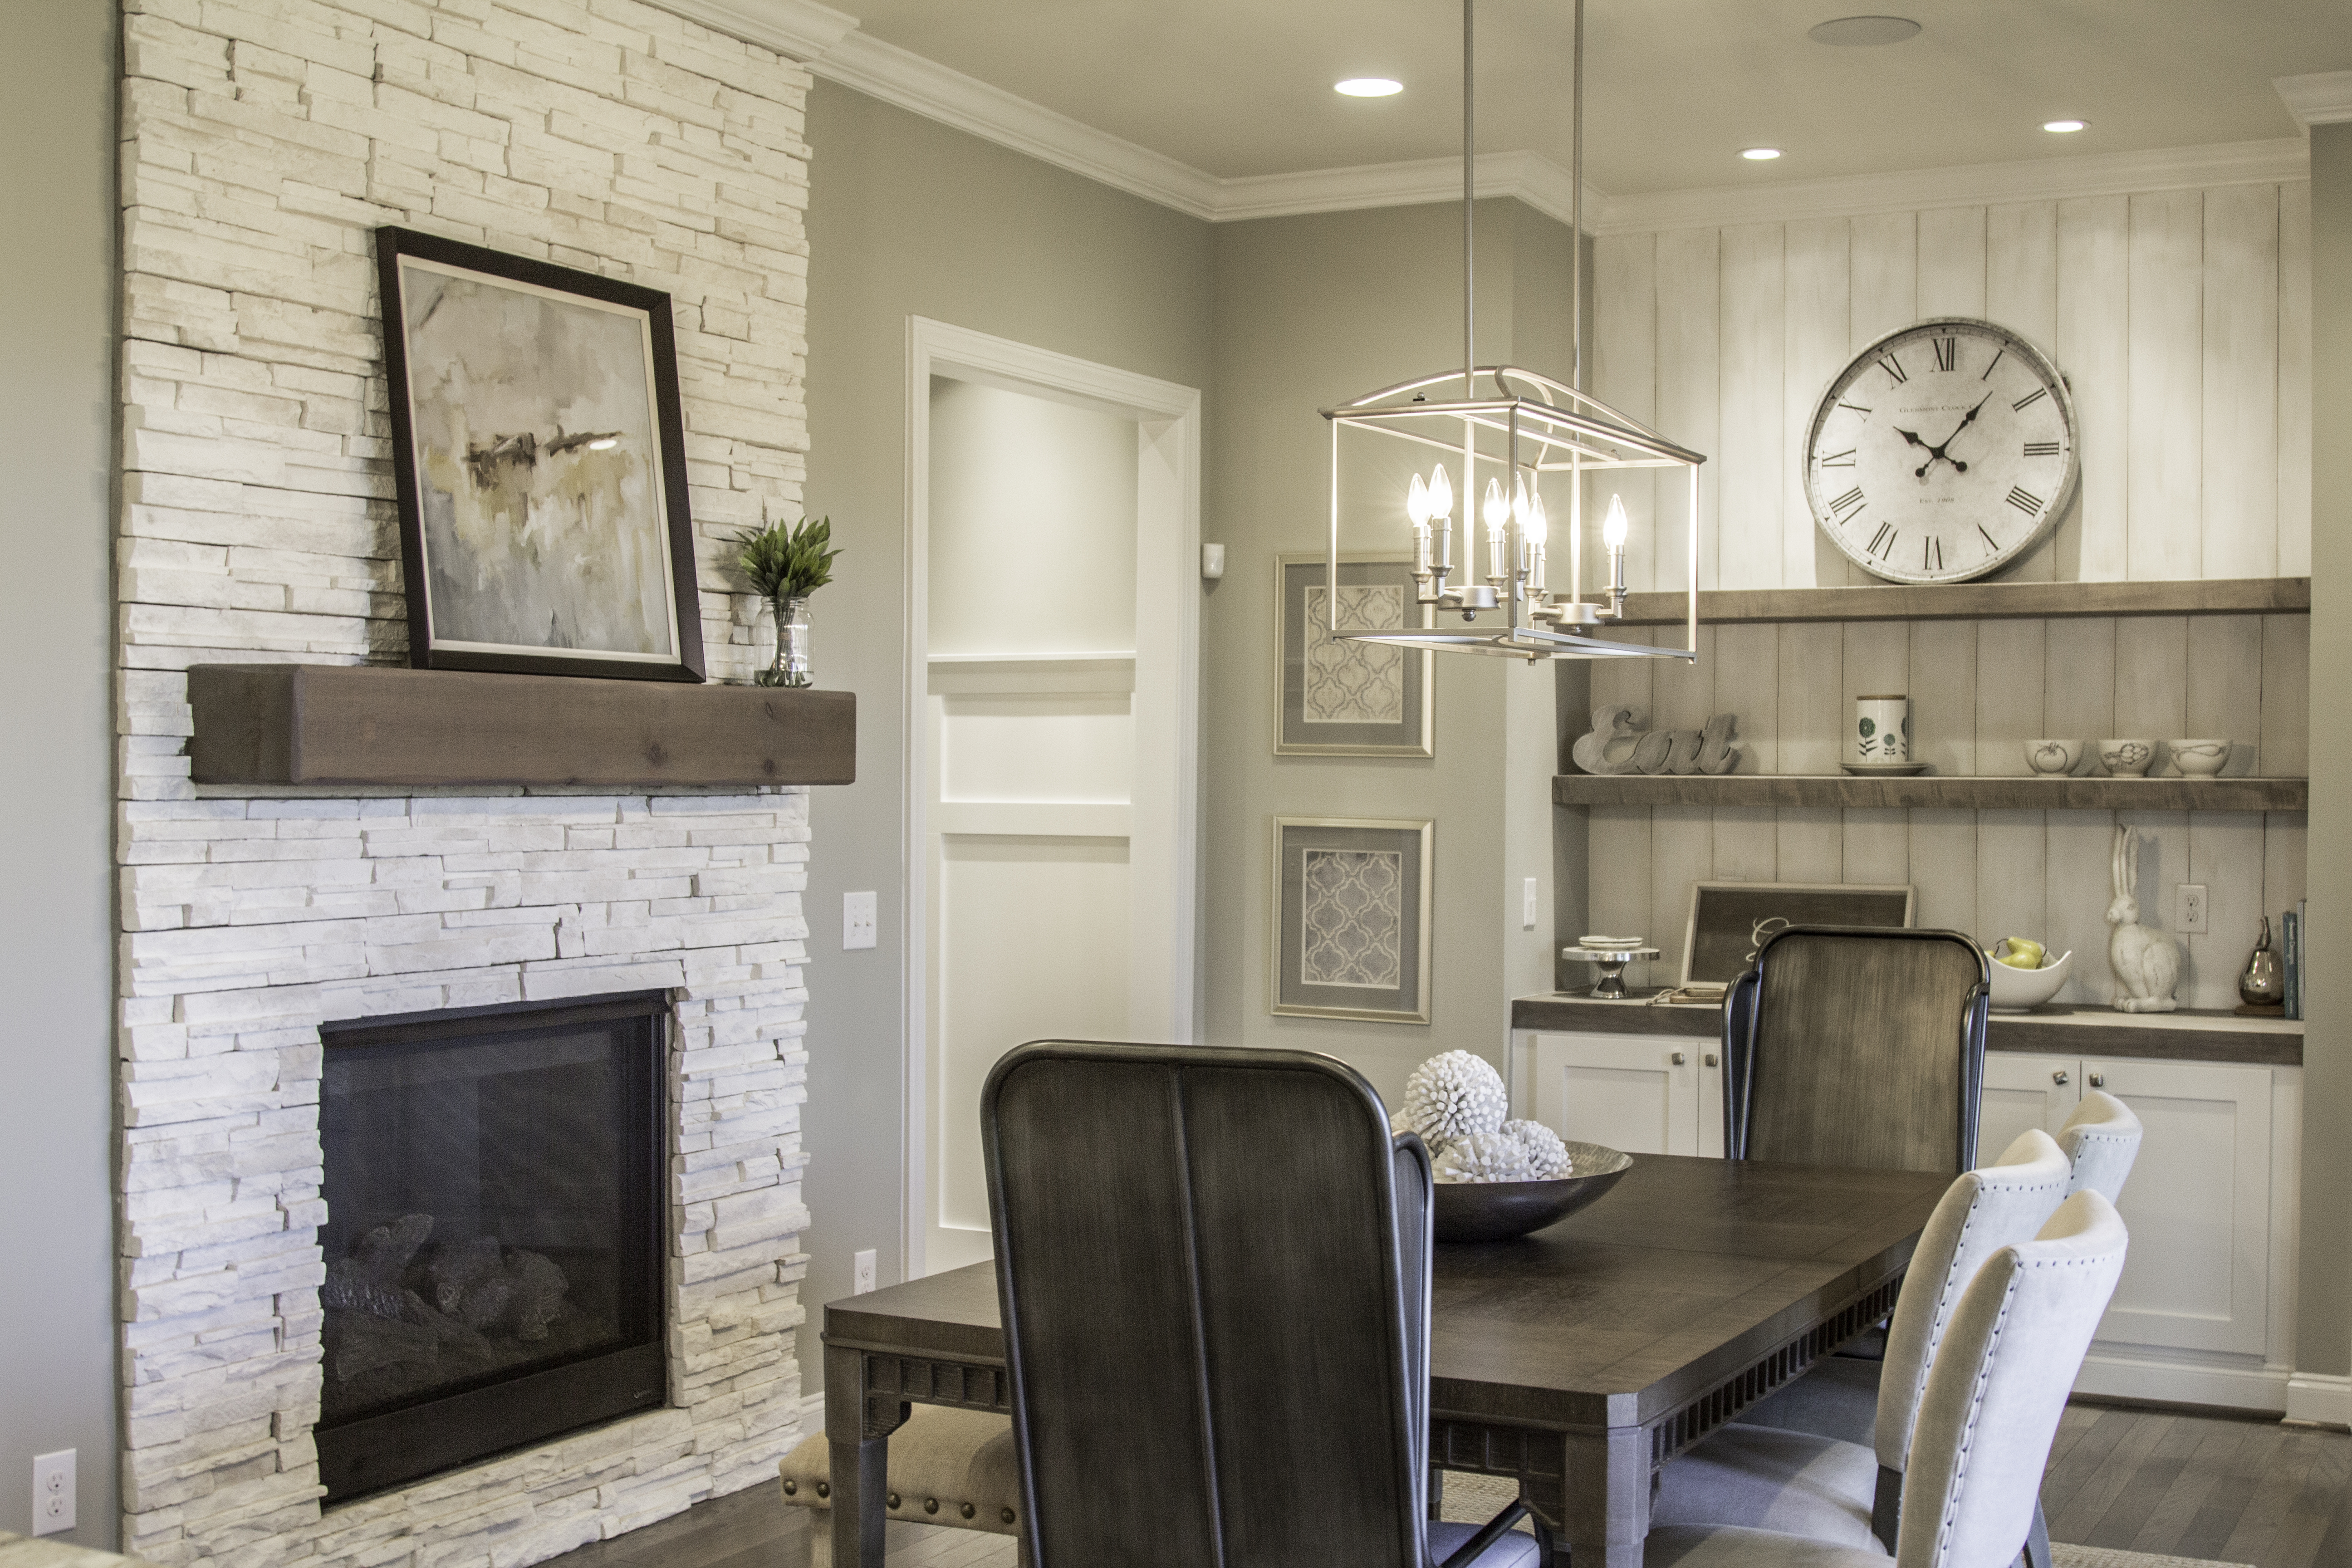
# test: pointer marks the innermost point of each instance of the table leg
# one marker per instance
(860, 1449)
(1608, 1497)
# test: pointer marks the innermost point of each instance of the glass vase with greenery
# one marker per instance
(785, 565)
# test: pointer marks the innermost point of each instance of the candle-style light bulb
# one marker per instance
(1498, 510)
(1532, 521)
(1613, 529)
(1416, 503)
(1441, 494)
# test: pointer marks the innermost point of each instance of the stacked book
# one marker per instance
(2293, 923)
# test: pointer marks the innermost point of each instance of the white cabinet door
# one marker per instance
(1710, 1098)
(1634, 1092)
(2023, 1092)
(2197, 1203)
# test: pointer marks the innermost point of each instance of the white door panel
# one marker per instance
(2197, 1205)
(1627, 1091)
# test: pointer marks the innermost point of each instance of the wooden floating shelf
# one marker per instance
(1980, 601)
(374, 724)
(2019, 793)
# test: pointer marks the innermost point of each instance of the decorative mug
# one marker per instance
(2053, 756)
(2127, 759)
(1882, 729)
(2199, 759)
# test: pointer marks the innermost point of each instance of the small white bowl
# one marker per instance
(2199, 759)
(2053, 756)
(2127, 759)
(2017, 990)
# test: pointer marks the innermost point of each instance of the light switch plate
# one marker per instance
(861, 1272)
(857, 921)
(1529, 892)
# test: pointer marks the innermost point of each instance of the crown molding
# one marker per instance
(799, 30)
(830, 43)
(2322, 98)
(2038, 179)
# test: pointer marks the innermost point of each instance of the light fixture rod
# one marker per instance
(1576, 210)
(1469, 196)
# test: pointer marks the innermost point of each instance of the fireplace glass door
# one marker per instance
(493, 1240)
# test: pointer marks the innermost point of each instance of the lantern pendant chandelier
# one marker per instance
(1506, 440)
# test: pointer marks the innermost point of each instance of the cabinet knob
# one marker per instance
(1708, 1059)
(2098, 1081)
(1678, 1058)
(2058, 1077)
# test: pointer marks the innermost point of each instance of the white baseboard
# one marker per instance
(2183, 1381)
(2320, 1397)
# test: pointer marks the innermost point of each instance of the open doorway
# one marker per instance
(1053, 624)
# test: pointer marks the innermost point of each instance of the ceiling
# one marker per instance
(1675, 88)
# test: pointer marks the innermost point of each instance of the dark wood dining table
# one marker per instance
(1575, 1362)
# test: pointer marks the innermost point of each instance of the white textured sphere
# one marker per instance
(1485, 1157)
(1547, 1156)
(1451, 1097)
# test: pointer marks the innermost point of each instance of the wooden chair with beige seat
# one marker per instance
(1991, 1407)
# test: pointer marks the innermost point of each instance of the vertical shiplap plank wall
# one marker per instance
(2181, 319)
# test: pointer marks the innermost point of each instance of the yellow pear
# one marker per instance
(2019, 953)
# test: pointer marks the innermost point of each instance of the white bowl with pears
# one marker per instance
(2025, 975)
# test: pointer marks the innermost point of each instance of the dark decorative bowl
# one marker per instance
(1498, 1211)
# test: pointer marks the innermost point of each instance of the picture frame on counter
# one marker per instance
(1339, 697)
(1350, 913)
(1729, 920)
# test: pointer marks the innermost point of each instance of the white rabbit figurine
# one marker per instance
(2146, 961)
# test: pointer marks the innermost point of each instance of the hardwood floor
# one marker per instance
(2142, 1480)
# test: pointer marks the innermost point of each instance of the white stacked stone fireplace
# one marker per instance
(263, 143)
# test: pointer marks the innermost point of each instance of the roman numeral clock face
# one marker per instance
(1943, 452)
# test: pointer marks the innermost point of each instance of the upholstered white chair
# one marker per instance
(2102, 1138)
(1846, 1493)
(2009, 1352)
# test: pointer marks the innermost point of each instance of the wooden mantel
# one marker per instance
(376, 725)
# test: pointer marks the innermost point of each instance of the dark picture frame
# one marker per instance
(1317, 680)
(1351, 918)
(1728, 920)
(506, 519)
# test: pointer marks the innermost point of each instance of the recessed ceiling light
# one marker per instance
(2065, 127)
(1760, 155)
(1848, 32)
(1367, 87)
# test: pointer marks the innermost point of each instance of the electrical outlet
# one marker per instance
(857, 919)
(2188, 907)
(1528, 893)
(861, 1272)
(53, 1492)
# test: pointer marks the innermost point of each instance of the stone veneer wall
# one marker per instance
(263, 141)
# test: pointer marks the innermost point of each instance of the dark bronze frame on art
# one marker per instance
(426, 649)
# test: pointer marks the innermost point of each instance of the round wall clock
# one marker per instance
(1943, 452)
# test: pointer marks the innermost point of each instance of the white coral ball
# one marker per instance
(1547, 1156)
(1485, 1157)
(1450, 1096)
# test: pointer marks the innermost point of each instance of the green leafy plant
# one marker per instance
(788, 562)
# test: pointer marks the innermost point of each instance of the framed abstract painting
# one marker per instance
(1351, 919)
(538, 458)
(1336, 697)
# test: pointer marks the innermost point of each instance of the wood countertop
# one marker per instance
(2189, 1035)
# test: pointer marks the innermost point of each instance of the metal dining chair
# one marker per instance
(1212, 1267)
(2011, 1348)
(1771, 1476)
(2102, 1138)
(1862, 1046)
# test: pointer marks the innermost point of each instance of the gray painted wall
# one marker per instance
(2324, 1332)
(57, 420)
(1311, 311)
(910, 218)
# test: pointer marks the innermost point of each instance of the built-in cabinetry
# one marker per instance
(2205, 1312)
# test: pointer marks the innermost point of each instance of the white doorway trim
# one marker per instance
(1167, 608)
